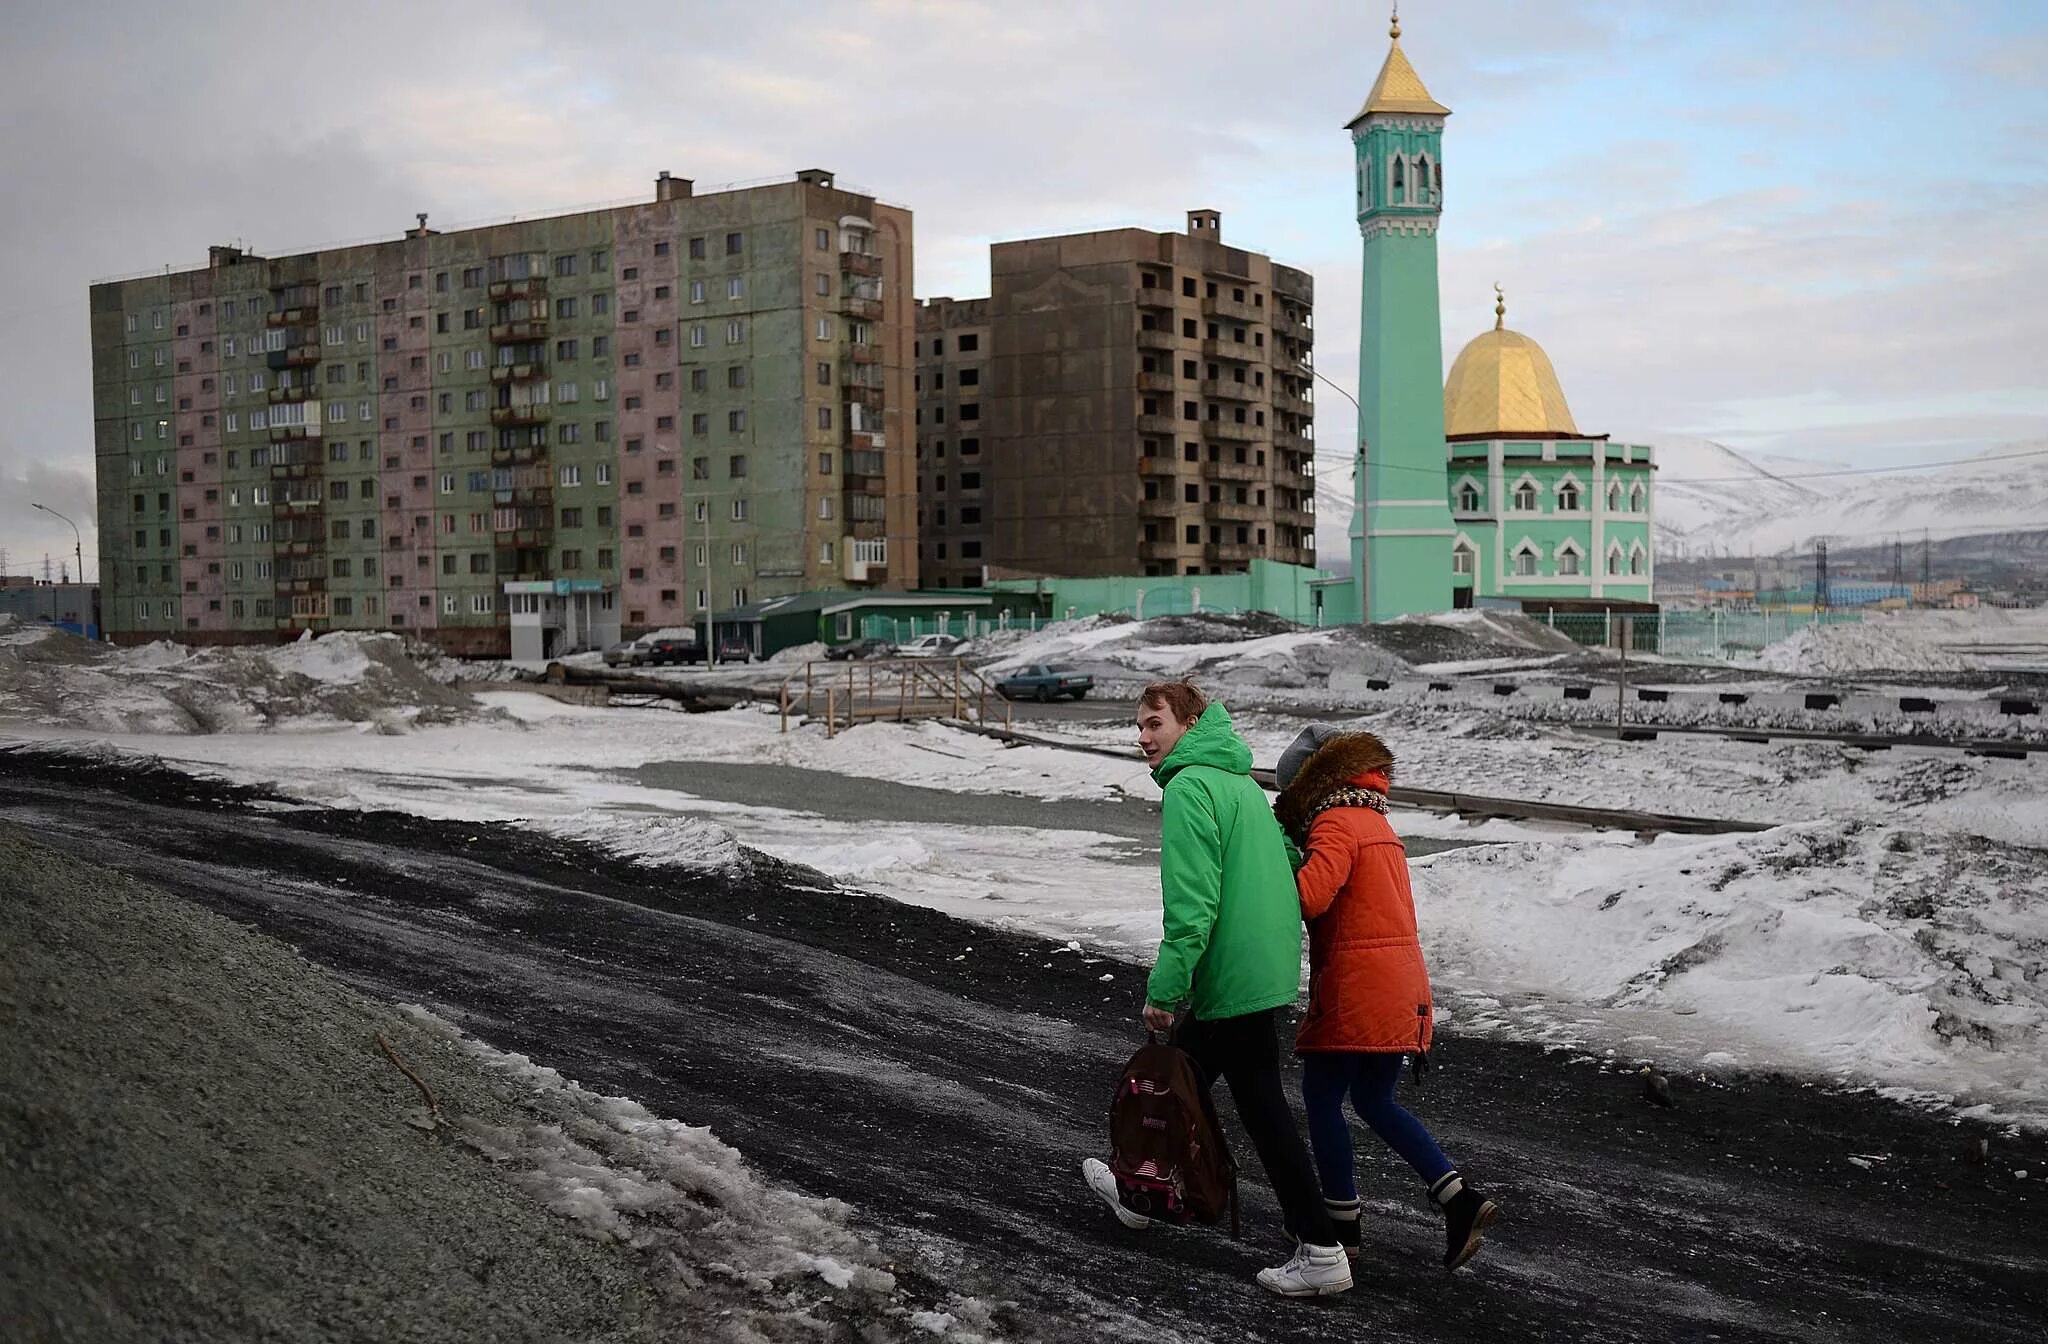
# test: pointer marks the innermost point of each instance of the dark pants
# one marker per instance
(1326, 1076)
(1245, 1053)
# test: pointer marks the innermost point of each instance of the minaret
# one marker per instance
(1401, 521)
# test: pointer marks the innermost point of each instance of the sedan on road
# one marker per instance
(1040, 682)
(861, 648)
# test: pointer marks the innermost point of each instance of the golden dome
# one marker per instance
(1399, 88)
(1502, 385)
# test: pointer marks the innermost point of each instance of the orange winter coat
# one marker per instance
(1368, 986)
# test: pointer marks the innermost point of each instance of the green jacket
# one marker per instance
(1232, 937)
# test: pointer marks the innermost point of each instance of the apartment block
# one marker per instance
(570, 427)
(952, 349)
(1144, 405)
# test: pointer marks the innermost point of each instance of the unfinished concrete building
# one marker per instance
(1142, 405)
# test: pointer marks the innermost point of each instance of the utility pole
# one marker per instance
(1926, 558)
(1898, 566)
(1820, 575)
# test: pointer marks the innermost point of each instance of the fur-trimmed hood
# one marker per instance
(1334, 766)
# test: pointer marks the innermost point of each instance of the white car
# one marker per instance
(930, 646)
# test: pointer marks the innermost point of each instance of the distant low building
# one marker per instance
(69, 606)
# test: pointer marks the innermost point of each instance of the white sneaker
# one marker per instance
(1315, 1271)
(1103, 1182)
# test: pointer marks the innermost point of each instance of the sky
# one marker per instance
(1812, 230)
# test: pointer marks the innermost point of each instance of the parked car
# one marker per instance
(733, 651)
(672, 649)
(861, 648)
(1040, 682)
(931, 646)
(629, 652)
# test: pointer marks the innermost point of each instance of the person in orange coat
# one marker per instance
(1369, 1001)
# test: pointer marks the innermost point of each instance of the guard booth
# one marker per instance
(553, 617)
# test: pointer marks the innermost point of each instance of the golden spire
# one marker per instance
(1500, 307)
(1399, 88)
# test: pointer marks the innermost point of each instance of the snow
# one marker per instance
(1859, 647)
(1887, 932)
(1713, 500)
(1864, 953)
(681, 1197)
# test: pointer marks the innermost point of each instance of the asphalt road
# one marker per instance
(944, 1078)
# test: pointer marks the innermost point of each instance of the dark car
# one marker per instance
(667, 650)
(734, 651)
(1040, 682)
(861, 648)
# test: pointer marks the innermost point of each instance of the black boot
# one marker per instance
(1344, 1217)
(1467, 1215)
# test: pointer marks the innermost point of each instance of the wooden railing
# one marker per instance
(842, 694)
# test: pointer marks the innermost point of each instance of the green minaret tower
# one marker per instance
(1401, 522)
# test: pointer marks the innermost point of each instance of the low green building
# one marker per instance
(1541, 512)
(837, 617)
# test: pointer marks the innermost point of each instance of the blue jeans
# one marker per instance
(1325, 1077)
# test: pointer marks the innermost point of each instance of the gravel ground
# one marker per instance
(201, 1140)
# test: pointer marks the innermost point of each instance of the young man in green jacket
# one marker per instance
(1231, 950)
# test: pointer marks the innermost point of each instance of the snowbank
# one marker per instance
(1218, 651)
(58, 679)
(1880, 956)
(1867, 646)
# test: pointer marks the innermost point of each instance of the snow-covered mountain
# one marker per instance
(1714, 500)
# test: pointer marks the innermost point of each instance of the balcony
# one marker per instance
(1155, 296)
(1293, 325)
(1291, 404)
(1295, 518)
(302, 392)
(869, 397)
(1237, 513)
(1156, 466)
(297, 471)
(857, 306)
(1244, 352)
(1156, 338)
(1230, 431)
(1231, 310)
(292, 433)
(1226, 552)
(1289, 441)
(516, 537)
(1155, 382)
(1159, 550)
(525, 329)
(1159, 424)
(299, 356)
(865, 354)
(292, 317)
(510, 416)
(860, 263)
(1157, 508)
(518, 373)
(1233, 471)
(1228, 389)
(862, 483)
(505, 291)
(866, 560)
(867, 441)
(519, 455)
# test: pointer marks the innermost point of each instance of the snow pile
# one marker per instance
(686, 1200)
(652, 841)
(347, 678)
(1219, 651)
(1854, 648)
(1503, 629)
(1892, 957)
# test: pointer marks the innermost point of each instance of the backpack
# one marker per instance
(1166, 1149)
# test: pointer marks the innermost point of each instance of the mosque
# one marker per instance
(1480, 490)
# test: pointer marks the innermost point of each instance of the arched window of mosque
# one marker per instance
(1400, 187)
(1462, 559)
(1568, 498)
(1438, 169)
(1468, 498)
(1614, 500)
(1421, 194)
(1567, 561)
(1525, 497)
(1525, 560)
(1636, 497)
(1635, 562)
(1614, 560)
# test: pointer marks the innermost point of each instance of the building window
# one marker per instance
(1525, 560)
(1525, 498)
(1468, 502)
(1568, 500)
(1462, 559)
(1567, 561)
(733, 244)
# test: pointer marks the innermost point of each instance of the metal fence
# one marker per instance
(1692, 634)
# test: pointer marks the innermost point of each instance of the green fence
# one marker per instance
(1692, 634)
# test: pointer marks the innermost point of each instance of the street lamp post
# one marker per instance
(77, 542)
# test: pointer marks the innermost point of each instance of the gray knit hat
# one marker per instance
(1304, 746)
